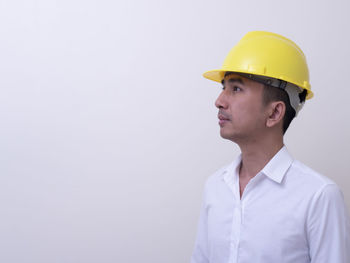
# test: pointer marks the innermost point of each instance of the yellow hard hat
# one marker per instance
(269, 55)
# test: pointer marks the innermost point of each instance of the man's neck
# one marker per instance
(256, 155)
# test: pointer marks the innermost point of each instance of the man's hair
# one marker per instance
(271, 94)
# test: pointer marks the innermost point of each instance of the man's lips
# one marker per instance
(223, 118)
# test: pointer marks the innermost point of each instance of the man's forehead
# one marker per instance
(232, 77)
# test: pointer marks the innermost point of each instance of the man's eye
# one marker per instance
(234, 88)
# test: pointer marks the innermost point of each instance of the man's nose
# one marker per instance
(221, 101)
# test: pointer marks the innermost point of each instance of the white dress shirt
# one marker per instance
(288, 213)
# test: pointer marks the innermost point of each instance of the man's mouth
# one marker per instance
(223, 116)
(223, 119)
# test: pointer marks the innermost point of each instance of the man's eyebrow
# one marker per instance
(232, 80)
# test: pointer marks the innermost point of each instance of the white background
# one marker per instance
(108, 130)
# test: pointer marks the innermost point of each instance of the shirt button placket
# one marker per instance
(239, 226)
(236, 232)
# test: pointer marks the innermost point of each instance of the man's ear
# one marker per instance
(276, 111)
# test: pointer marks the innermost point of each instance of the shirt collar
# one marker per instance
(275, 169)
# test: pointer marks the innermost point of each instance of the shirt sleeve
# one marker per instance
(328, 227)
(200, 251)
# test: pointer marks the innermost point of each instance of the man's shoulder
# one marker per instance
(308, 181)
(303, 172)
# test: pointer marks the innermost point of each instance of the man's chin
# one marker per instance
(225, 135)
(228, 136)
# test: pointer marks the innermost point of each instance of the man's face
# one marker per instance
(242, 115)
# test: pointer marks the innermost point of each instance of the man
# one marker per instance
(266, 207)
